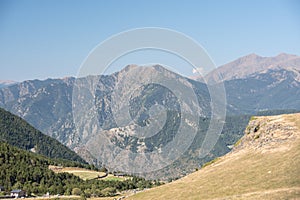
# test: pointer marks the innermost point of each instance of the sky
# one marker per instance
(52, 38)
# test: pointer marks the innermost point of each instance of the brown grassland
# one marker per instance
(247, 172)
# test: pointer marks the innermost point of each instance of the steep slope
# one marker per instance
(32, 172)
(254, 83)
(49, 106)
(17, 132)
(263, 165)
(251, 64)
(25, 170)
(267, 90)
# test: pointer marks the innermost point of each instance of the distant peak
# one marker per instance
(129, 67)
(251, 56)
(7, 82)
(135, 66)
(285, 56)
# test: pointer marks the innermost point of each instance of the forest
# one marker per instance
(25, 170)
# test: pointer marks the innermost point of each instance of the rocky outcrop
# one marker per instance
(266, 133)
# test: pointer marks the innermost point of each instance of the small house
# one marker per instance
(17, 193)
(2, 188)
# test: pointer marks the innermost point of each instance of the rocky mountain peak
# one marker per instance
(253, 64)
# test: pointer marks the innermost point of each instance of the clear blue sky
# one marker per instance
(40, 39)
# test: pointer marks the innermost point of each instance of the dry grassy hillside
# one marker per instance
(263, 165)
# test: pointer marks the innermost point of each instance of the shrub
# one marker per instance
(76, 191)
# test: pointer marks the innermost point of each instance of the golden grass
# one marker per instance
(294, 118)
(73, 197)
(111, 177)
(84, 174)
(245, 174)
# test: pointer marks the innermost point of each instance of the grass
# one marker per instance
(237, 143)
(72, 198)
(245, 174)
(111, 177)
(253, 118)
(294, 119)
(84, 174)
(210, 162)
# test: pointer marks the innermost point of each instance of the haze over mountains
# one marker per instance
(252, 84)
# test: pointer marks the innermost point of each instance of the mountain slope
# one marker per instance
(264, 165)
(49, 106)
(20, 169)
(267, 90)
(250, 64)
(17, 132)
(29, 171)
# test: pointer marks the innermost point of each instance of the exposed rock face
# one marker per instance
(265, 133)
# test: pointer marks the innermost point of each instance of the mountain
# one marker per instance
(102, 116)
(265, 90)
(252, 64)
(17, 132)
(264, 164)
(5, 83)
(254, 83)
(50, 106)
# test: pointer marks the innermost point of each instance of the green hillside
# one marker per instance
(17, 132)
(20, 169)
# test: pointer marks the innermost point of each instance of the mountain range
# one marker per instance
(252, 84)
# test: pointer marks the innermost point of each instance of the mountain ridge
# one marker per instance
(252, 64)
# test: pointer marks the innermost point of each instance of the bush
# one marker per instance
(110, 191)
(76, 191)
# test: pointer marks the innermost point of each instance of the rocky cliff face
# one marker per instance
(265, 133)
